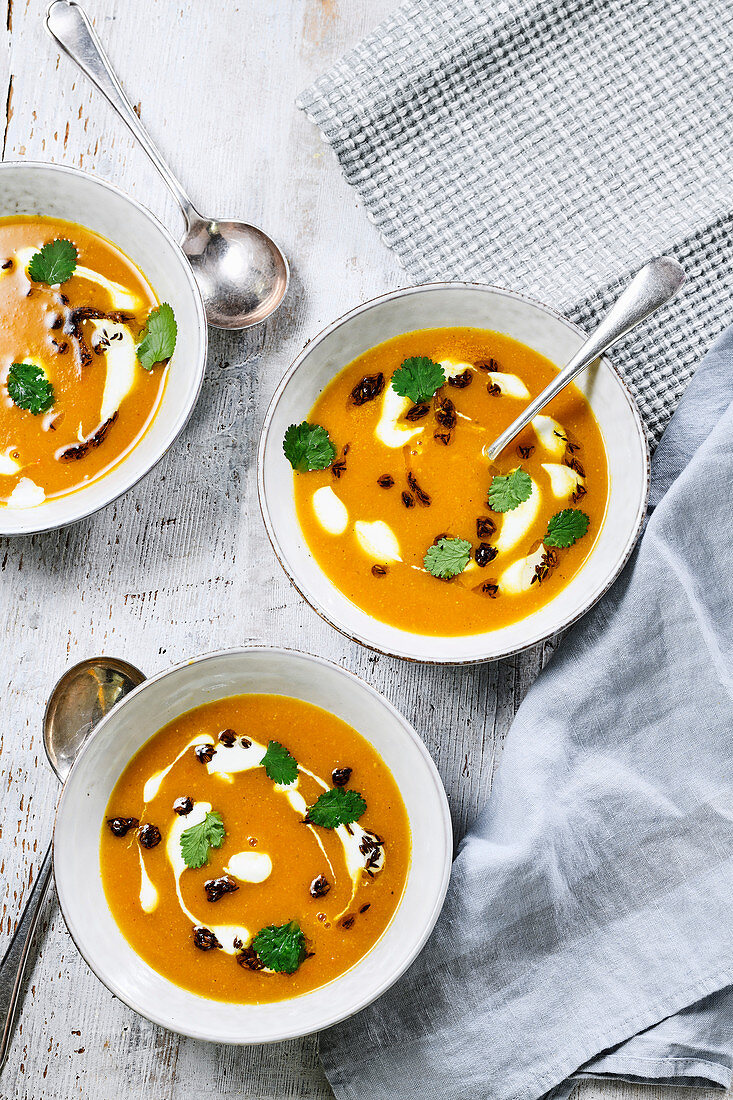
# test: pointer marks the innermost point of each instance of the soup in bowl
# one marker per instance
(252, 846)
(386, 513)
(102, 311)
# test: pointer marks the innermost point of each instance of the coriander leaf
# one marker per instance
(308, 447)
(54, 264)
(280, 766)
(338, 806)
(159, 337)
(418, 378)
(196, 840)
(566, 527)
(508, 492)
(29, 388)
(280, 947)
(448, 557)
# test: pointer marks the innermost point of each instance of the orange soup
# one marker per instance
(254, 849)
(400, 506)
(83, 357)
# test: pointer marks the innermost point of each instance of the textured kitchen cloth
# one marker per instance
(588, 926)
(552, 147)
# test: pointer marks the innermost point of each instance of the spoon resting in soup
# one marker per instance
(404, 513)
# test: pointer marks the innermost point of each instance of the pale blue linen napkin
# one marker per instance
(588, 928)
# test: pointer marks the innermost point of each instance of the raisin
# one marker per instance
(421, 495)
(149, 835)
(370, 386)
(204, 938)
(460, 381)
(319, 887)
(120, 826)
(216, 888)
(183, 805)
(417, 412)
(249, 958)
(484, 553)
(340, 776)
(204, 753)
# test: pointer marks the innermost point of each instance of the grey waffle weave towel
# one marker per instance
(551, 147)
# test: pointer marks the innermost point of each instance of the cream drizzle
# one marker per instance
(148, 893)
(121, 297)
(226, 934)
(226, 762)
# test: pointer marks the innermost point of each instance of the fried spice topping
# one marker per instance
(204, 753)
(370, 386)
(149, 835)
(204, 938)
(183, 805)
(319, 887)
(216, 888)
(227, 738)
(340, 776)
(460, 381)
(120, 826)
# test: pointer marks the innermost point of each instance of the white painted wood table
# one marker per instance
(181, 565)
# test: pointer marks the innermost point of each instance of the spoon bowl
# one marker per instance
(242, 274)
(79, 701)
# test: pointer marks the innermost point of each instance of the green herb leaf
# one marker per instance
(159, 337)
(418, 378)
(29, 388)
(566, 527)
(508, 492)
(308, 447)
(280, 766)
(338, 806)
(280, 947)
(447, 558)
(54, 264)
(198, 839)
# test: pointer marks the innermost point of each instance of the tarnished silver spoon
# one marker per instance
(655, 284)
(241, 272)
(81, 698)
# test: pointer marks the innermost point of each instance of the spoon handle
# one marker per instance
(15, 959)
(69, 25)
(655, 284)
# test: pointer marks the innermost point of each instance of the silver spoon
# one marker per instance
(81, 698)
(241, 272)
(655, 284)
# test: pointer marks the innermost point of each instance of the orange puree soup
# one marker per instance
(409, 519)
(74, 396)
(254, 849)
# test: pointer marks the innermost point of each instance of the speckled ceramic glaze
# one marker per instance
(59, 192)
(159, 700)
(435, 306)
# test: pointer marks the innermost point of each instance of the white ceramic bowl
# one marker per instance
(159, 700)
(439, 305)
(60, 192)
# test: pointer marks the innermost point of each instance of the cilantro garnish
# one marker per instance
(158, 338)
(418, 378)
(54, 264)
(280, 947)
(308, 447)
(508, 492)
(566, 527)
(280, 766)
(29, 388)
(338, 806)
(198, 839)
(448, 557)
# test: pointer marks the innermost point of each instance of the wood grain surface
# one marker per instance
(181, 565)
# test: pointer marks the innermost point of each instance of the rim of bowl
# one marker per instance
(177, 427)
(364, 307)
(430, 919)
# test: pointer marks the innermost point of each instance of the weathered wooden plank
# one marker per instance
(182, 565)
